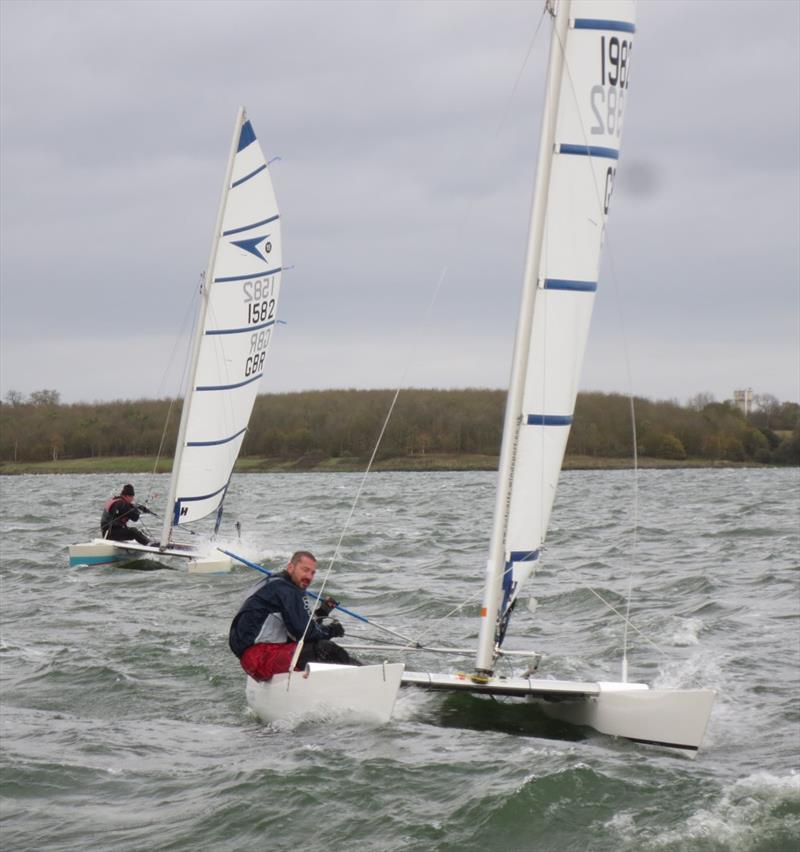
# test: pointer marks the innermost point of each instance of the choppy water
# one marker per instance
(124, 723)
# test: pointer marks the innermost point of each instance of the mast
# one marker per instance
(204, 296)
(511, 425)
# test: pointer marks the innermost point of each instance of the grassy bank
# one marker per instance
(347, 464)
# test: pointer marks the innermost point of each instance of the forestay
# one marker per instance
(579, 151)
(238, 314)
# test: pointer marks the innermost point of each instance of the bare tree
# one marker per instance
(45, 397)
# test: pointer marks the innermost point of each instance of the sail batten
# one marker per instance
(598, 24)
(216, 442)
(523, 556)
(250, 227)
(548, 420)
(247, 177)
(588, 151)
(570, 286)
(201, 388)
(247, 276)
(240, 330)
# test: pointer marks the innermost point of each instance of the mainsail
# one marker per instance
(587, 86)
(237, 316)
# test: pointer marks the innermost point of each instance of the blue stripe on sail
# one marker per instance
(240, 330)
(508, 585)
(176, 512)
(247, 177)
(548, 419)
(523, 556)
(246, 136)
(589, 151)
(228, 387)
(250, 227)
(247, 277)
(216, 443)
(566, 284)
(599, 24)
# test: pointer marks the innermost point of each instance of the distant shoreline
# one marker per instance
(430, 463)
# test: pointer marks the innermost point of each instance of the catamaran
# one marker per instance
(237, 315)
(588, 78)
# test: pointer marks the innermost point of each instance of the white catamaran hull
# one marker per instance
(366, 692)
(670, 718)
(675, 719)
(101, 551)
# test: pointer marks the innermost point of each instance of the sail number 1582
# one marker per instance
(259, 296)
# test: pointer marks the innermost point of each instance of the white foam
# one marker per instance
(743, 815)
(685, 632)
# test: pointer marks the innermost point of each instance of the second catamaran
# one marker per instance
(237, 315)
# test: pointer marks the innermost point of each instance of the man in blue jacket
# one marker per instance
(265, 632)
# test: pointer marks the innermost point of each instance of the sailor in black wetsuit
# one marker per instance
(116, 514)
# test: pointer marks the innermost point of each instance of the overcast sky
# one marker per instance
(405, 149)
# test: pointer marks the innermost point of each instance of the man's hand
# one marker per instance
(143, 510)
(335, 629)
(326, 607)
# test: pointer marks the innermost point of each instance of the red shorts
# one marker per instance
(261, 661)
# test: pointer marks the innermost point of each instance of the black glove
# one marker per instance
(326, 607)
(143, 510)
(335, 629)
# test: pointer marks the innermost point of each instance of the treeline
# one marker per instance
(341, 423)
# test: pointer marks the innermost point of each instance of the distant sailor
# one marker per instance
(265, 632)
(116, 514)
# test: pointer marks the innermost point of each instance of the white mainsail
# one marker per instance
(237, 318)
(590, 58)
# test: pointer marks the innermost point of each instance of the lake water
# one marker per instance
(125, 727)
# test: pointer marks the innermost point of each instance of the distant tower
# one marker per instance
(743, 400)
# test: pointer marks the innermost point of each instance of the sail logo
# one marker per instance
(259, 247)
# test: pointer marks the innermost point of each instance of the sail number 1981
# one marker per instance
(608, 96)
(614, 61)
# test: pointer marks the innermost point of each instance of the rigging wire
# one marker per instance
(189, 314)
(471, 599)
(628, 622)
(423, 323)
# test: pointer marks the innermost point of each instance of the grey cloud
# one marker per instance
(402, 152)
